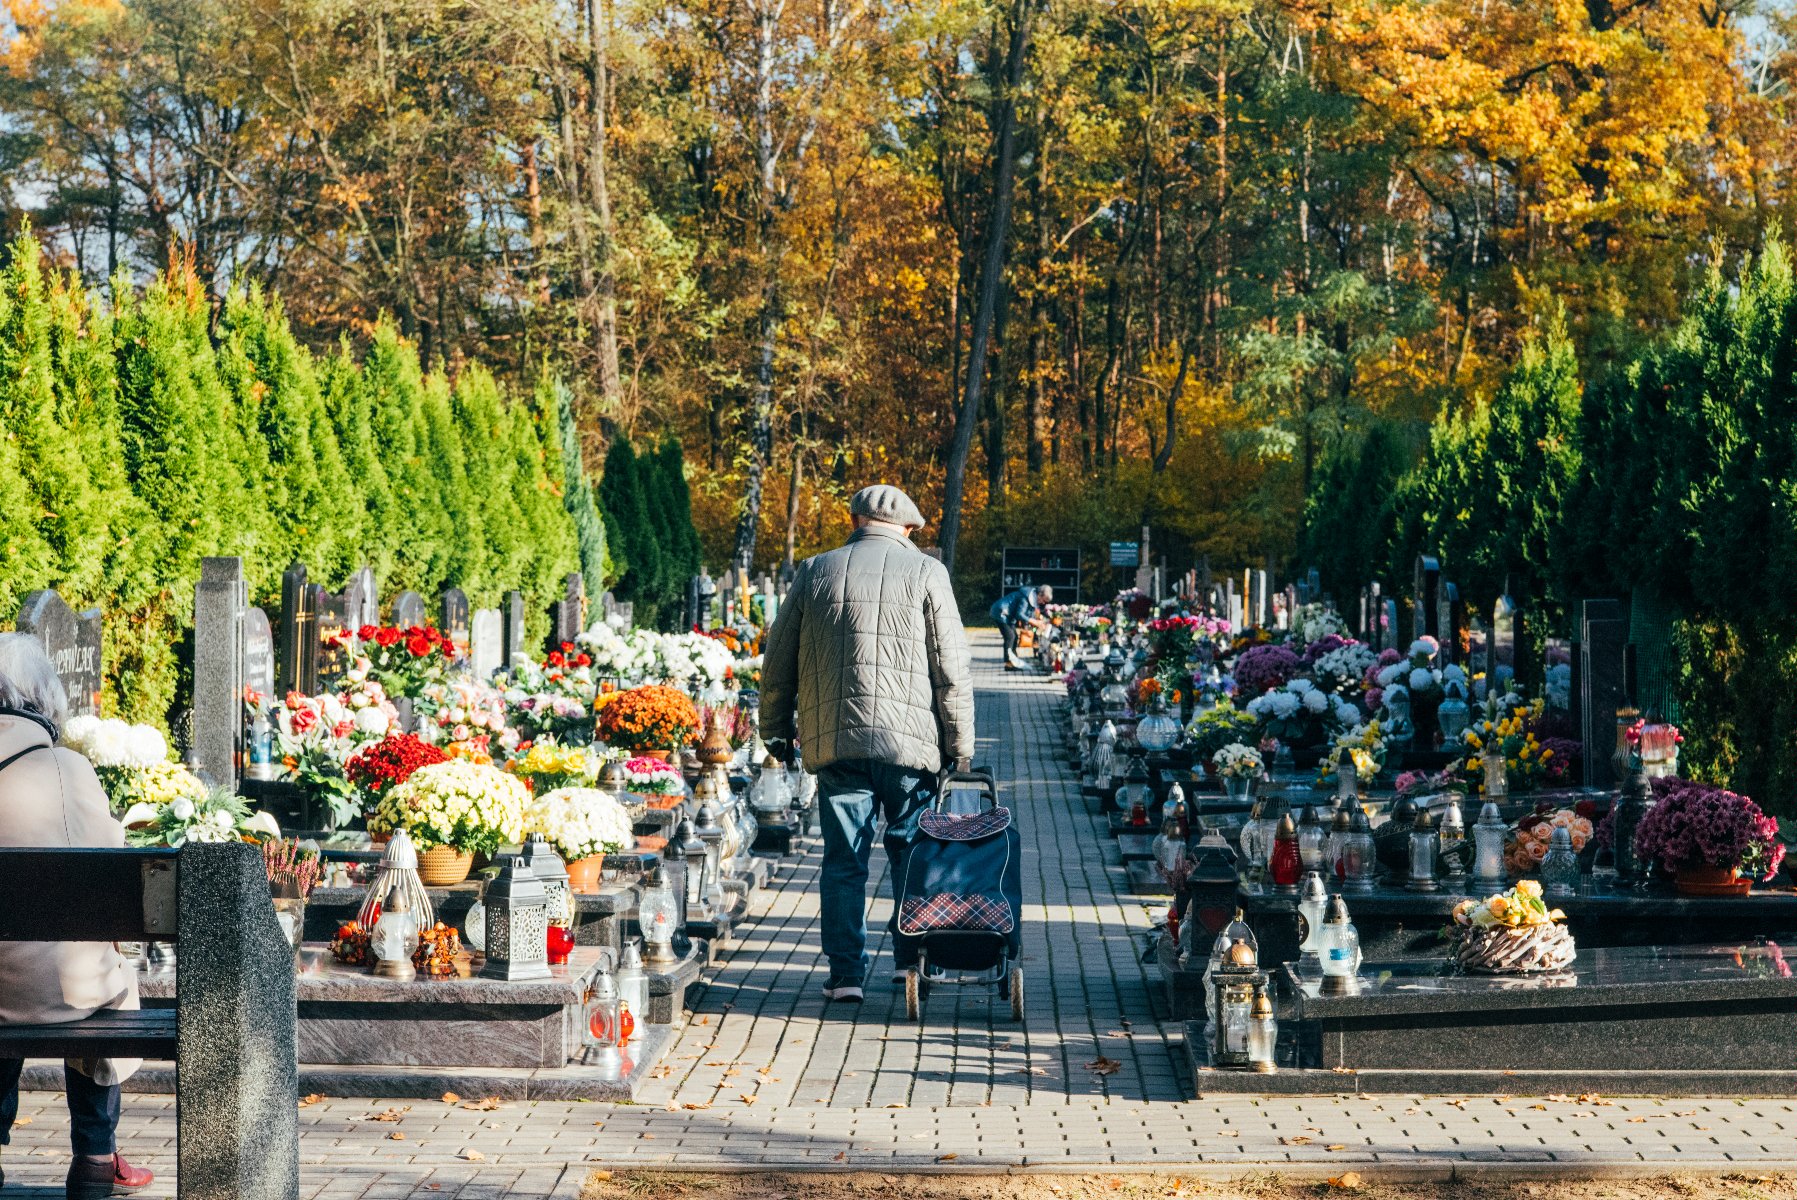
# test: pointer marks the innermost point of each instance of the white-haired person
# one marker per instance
(1021, 607)
(50, 797)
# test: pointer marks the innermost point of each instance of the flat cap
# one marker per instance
(883, 502)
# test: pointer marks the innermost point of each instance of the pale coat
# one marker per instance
(52, 798)
(867, 659)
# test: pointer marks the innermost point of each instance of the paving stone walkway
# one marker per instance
(766, 1076)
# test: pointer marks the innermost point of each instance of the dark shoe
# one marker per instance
(839, 989)
(115, 1178)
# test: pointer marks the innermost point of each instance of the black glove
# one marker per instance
(781, 751)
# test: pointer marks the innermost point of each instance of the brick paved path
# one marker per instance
(765, 1077)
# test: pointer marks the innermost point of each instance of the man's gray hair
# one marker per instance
(1045, 592)
(28, 678)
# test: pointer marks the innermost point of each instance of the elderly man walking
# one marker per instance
(867, 666)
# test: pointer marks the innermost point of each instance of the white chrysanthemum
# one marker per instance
(373, 722)
(1421, 679)
(580, 822)
(1316, 701)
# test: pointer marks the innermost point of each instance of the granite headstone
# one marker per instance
(408, 609)
(1425, 598)
(73, 642)
(220, 600)
(513, 617)
(297, 644)
(486, 643)
(361, 603)
(454, 623)
(1603, 632)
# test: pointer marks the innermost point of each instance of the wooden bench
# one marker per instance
(231, 1033)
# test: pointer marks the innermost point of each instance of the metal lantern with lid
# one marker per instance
(1285, 865)
(1489, 836)
(1136, 797)
(1313, 901)
(1263, 1035)
(1234, 984)
(658, 916)
(1453, 714)
(692, 852)
(1157, 732)
(1425, 846)
(1113, 698)
(614, 781)
(517, 925)
(770, 794)
(633, 987)
(395, 936)
(1360, 856)
(1236, 931)
(710, 832)
(399, 864)
(558, 896)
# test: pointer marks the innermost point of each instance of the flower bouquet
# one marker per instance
(464, 715)
(653, 777)
(401, 660)
(131, 761)
(548, 765)
(1314, 621)
(1261, 669)
(1506, 728)
(215, 816)
(1224, 725)
(1342, 667)
(654, 717)
(387, 763)
(553, 698)
(1304, 718)
(317, 734)
(1237, 765)
(452, 810)
(1524, 851)
(293, 872)
(1361, 745)
(1715, 842)
(1512, 933)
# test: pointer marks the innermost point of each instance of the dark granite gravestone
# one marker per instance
(1260, 604)
(258, 653)
(361, 603)
(454, 614)
(1451, 621)
(1425, 598)
(567, 613)
(1500, 664)
(236, 1043)
(1603, 633)
(73, 642)
(512, 615)
(298, 643)
(331, 623)
(486, 643)
(408, 609)
(220, 600)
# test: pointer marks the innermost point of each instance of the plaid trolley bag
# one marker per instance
(960, 902)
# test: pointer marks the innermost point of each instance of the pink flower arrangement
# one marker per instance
(1699, 824)
(1260, 669)
(1375, 695)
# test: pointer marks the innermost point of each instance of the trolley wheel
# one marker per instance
(914, 994)
(1016, 990)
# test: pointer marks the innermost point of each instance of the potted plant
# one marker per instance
(584, 825)
(653, 720)
(1713, 841)
(1215, 728)
(1238, 765)
(453, 810)
(293, 871)
(1303, 718)
(388, 763)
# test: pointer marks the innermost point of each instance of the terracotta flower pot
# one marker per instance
(443, 866)
(1712, 881)
(584, 873)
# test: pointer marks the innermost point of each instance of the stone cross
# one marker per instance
(220, 601)
(73, 642)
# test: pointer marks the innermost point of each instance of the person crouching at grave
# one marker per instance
(866, 664)
(50, 797)
(1021, 607)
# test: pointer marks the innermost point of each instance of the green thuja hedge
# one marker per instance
(139, 437)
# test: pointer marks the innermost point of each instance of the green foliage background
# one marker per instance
(137, 439)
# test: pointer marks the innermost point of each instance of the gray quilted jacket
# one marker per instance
(867, 659)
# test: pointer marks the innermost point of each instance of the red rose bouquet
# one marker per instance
(403, 660)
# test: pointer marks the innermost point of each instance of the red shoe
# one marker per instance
(116, 1178)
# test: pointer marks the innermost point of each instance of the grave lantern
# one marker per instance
(614, 781)
(604, 1032)
(1112, 698)
(1360, 857)
(1263, 1035)
(1236, 931)
(399, 865)
(1312, 903)
(691, 850)
(772, 798)
(1104, 756)
(558, 896)
(1170, 842)
(1340, 825)
(658, 916)
(395, 936)
(1451, 834)
(517, 925)
(1560, 867)
(1453, 714)
(1497, 779)
(1312, 835)
(1338, 948)
(1234, 984)
(713, 836)
(1135, 796)
(1285, 866)
(1631, 806)
(633, 987)
(1488, 847)
(1157, 731)
(1659, 742)
(1425, 844)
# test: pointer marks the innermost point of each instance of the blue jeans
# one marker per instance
(93, 1108)
(849, 794)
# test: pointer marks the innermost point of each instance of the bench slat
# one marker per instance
(141, 1033)
(84, 895)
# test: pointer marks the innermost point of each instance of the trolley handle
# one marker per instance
(988, 786)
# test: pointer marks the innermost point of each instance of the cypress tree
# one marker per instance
(547, 530)
(624, 498)
(465, 559)
(349, 405)
(483, 421)
(577, 490)
(420, 534)
(688, 553)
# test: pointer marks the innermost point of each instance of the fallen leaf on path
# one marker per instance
(748, 1099)
(1334, 1148)
(947, 1157)
(601, 1176)
(841, 1154)
(696, 1107)
(451, 1098)
(1104, 1066)
(396, 1136)
(484, 1104)
(472, 1156)
(392, 1114)
(1347, 1181)
(308, 1101)
(1297, 1139)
